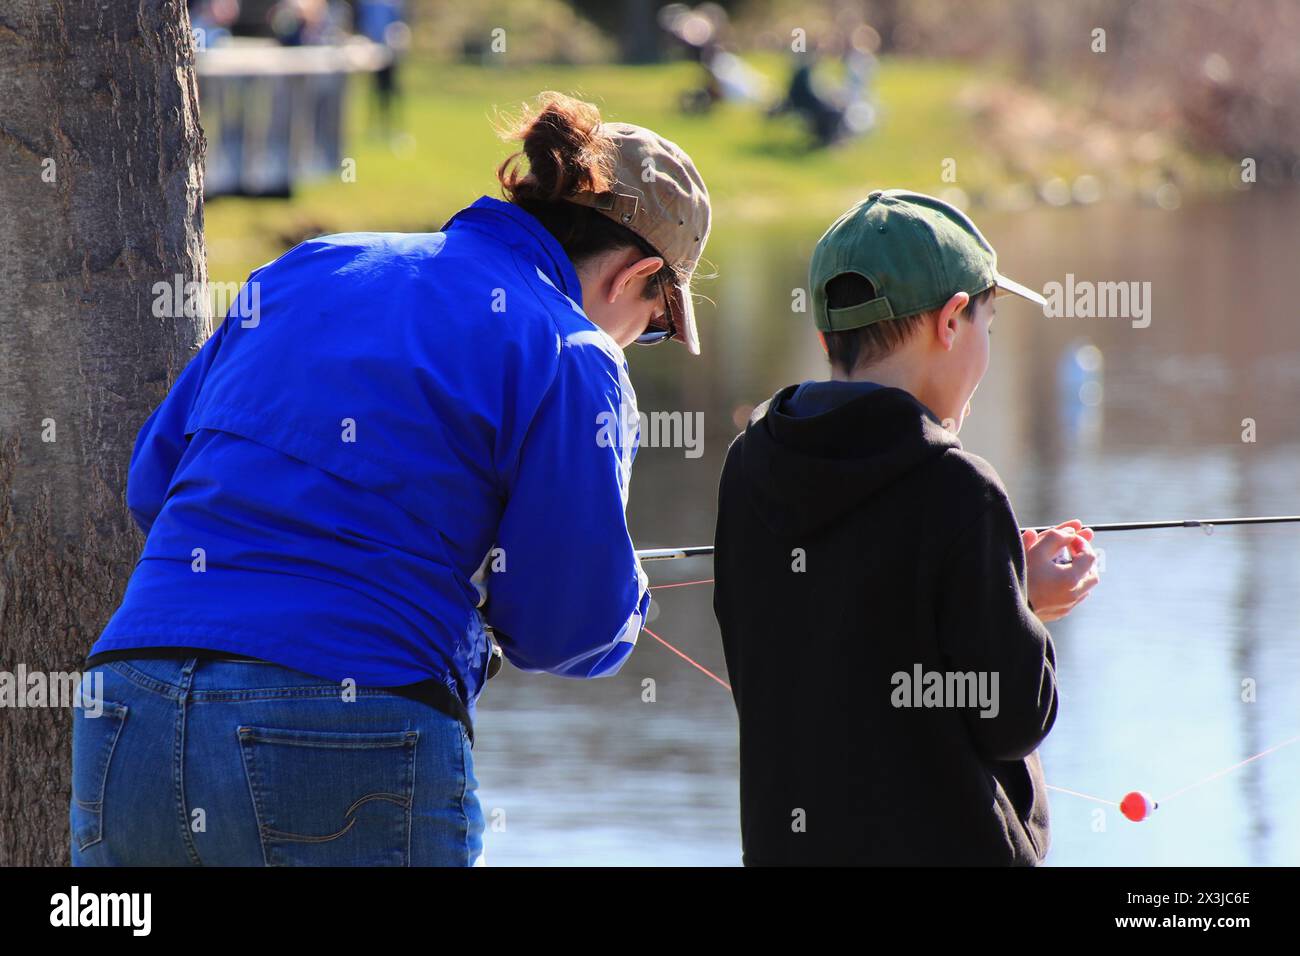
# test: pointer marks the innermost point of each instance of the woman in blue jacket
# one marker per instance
(409, 441)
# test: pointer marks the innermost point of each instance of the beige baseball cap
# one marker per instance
(659, 195)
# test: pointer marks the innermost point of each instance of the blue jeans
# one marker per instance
(223, 763)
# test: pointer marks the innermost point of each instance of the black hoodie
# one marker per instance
(854, 547)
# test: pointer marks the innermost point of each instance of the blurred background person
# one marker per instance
(212, 21)
(727, 77)
(383, 22)
(308, 22)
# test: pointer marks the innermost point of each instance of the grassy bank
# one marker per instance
(758, 170)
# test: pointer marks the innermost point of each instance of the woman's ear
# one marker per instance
(634, 265)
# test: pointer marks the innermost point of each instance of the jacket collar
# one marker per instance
(847, 455)
(528, 236)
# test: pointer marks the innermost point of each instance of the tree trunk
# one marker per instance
(100, 199)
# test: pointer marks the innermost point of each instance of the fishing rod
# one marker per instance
(695, 551)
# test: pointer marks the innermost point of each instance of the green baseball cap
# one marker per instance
(916, 250)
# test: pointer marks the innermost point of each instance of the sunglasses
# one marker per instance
(657, 334)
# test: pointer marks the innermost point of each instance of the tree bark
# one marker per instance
(100, 198)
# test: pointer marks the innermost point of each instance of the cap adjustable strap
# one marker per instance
(624, 205)
(856, 316)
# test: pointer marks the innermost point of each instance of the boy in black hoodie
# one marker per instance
(881, 614)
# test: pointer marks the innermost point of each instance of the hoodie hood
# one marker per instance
(803, 472)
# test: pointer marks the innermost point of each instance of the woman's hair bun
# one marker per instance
(565, 149)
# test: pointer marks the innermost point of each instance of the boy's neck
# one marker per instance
(889, 374)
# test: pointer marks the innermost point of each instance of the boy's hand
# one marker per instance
(1055, 589)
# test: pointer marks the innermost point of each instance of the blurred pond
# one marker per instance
(1089, 418)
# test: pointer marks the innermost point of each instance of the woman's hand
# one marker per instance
(1055, 589)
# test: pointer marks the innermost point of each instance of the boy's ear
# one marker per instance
(954, 305)
(821, 337)
(948, 317)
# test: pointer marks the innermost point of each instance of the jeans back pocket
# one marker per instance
(94, 738)
(326, 798)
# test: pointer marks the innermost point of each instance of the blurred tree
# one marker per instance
(886, 17)
(635, 24)
(100, 199)
(638, 34)
(507, 32)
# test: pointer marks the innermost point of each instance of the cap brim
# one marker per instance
(1008, 287)
(684, 317)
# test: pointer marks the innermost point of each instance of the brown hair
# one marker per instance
(567, 153)
(871, 343)
(565, 148)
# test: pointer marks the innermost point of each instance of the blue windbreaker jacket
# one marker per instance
(412, 434)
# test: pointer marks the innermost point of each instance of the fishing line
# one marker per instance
(1220, 773)
(687, 659)
(1085, 796)
(1136, 805)
(681, 584)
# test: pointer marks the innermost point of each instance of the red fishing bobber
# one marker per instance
(1137, 806)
